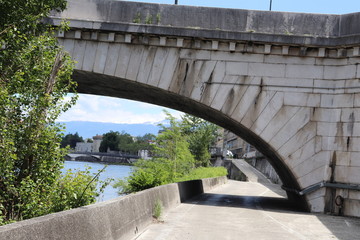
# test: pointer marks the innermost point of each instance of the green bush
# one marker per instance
(75, 189)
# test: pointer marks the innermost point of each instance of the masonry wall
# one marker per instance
(118, 219)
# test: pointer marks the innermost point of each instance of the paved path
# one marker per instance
(248, 210)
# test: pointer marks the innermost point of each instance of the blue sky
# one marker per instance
(115, 110)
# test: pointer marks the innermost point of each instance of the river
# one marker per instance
(111, 171)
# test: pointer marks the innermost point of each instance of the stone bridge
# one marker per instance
(287, 83)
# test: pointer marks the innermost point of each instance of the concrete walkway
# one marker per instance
(248, 210)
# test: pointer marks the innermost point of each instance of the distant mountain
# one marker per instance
(90, 129)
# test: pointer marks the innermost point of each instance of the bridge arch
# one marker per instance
(291, 90)
(99, 84)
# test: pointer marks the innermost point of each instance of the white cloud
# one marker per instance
(105, 109)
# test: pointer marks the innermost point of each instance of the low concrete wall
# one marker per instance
(120, 218)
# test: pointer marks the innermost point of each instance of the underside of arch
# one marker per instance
(99, 84)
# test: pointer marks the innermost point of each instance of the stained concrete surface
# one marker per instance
(248, 210)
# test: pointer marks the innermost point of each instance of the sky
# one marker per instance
(115, 110)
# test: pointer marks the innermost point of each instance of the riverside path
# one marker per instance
(248, 210)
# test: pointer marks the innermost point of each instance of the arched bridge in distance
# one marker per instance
(287, 83)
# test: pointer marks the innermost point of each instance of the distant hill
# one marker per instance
(90, 129)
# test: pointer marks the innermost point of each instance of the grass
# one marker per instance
(158, 208)
(203, 172)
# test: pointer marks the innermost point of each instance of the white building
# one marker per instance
(89, 146)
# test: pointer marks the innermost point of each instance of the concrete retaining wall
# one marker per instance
(120, 218)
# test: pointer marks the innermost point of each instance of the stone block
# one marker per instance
(77, 34)
(291, 149)
(157, 67)
(190, 79)
(285, 50)
(267, 48)
(268, 113)
(79, 53)
(112, 59)
(89, 57)
(232, 46)
(202, 78)
(337, 101)
(343, 158)
(314, 195)
(321, 52)
(294, 124)
(278, 122)
(355, 159)
(100, 57)
(146, 62)
(266, 70)
(317, 205)
(354, 195)
(162, 41)
(235, 94)
(195, 54)
(301, 154)
(128, 38)
(346, 174)
(223, 92)
(179, 42)
(329, 129)
(315, 176)
(237, 68)
(331, 61)
(69, 46)
(168, 71)
(304, 71)
(247, 100)
(354, 144)
(352, 207)
(289, 60)
(257, 108)
(334, 144)
(339, 72)
(329, 86)
(133, 66)
(237, 57)
(210, 90)
(319, 160)
(302, 99)
(284, 84)
(350, 115)
(123, 60)
(352, 85)
(214, 45)
(326, 115)
(357, 100)
(111, 37)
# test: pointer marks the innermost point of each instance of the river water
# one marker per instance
(111, 171)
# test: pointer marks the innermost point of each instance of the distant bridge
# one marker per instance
(101, 157)
(287, 83)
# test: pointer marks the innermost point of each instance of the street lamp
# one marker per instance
(270, 4)
(176, 2)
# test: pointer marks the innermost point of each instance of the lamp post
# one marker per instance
(270, 4)
(176, 2)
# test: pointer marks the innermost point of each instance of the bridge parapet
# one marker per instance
(214, 28)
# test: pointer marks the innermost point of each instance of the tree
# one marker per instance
(114, 140)
(201, 136)
(172, 159)
(125, 143)
(71, 140)
(35, 76)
